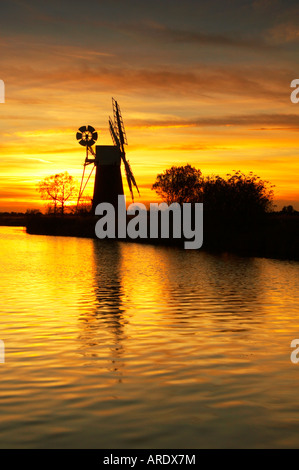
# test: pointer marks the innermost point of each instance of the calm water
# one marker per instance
(112, 345)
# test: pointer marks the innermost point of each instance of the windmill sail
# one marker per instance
(87, 137)
(119, 137)
(119, 125)
(113, 133)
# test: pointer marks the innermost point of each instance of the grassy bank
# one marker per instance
(13, 220)
(273, 236)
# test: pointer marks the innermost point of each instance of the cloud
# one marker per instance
(46, 73)
(163, 33)
(284, 33)
(284, 121)
(62, 81)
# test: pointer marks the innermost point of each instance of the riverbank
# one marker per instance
(13, 220)
(273, 236)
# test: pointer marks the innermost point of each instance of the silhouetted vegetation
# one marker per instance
(57, 189)
(274, 236)
(238, 214)
(289, 210)
(34, 212)
(13, 219)
(83, 208)
(68, 225)
(179, 184)
(236, 195)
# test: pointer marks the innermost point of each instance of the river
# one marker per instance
(121, 345)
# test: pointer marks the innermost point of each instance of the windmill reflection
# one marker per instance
(103, 334)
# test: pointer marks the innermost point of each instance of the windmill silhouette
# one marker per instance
(106, 159)
(119, 137)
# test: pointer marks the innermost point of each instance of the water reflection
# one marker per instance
(113, 335)
(167, 303)
(106, 319)
(153, 290)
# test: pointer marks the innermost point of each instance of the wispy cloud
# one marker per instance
(284, 33)
(283, 121)
(162, 33)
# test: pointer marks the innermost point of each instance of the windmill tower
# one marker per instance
(106, 159)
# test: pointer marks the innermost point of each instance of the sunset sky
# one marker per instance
(199, 82)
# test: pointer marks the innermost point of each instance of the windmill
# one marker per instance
(107, 161)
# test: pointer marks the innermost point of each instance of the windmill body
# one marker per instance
(106, 160)
(108, 181)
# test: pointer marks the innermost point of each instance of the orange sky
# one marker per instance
(198, 85)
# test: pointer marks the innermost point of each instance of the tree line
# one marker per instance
(236, 194)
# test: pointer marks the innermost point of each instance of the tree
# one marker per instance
(179, 184)
(84, 207)
(288, 210)
(235, 196)
(33, 212)
(238, 195)
(58, 189)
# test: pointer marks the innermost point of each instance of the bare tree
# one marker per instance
(58, 189)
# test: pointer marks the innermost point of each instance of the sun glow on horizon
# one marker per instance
(217, 102)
